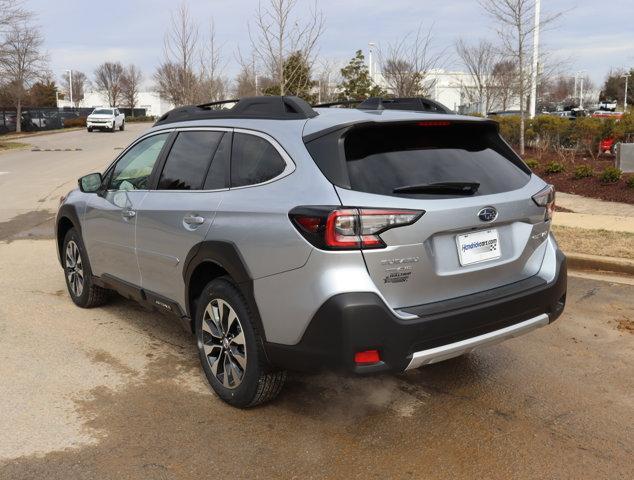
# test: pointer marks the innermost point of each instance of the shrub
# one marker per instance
(532, 163)
(587, 133)
(510, 128)
(583, 171)
(142, 118)
(551, 132)
(630, 182)
(611, 175)
(554, 167)
(75, 122)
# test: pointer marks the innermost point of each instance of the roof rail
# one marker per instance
(418, 104)
(219, 102)
(335, 104)
(269, 107)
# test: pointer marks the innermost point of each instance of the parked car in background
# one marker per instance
(105, 119)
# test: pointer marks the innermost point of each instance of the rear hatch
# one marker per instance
(480, 229)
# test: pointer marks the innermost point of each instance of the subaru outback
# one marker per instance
(285, 237)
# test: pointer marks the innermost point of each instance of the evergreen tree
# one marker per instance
(298, 81)
(357, 84)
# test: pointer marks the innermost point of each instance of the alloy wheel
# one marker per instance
(223, 343)
(74, 269)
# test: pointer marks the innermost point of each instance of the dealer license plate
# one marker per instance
(478, 246)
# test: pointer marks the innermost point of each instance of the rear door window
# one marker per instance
(189, 160)
(254, 160)
(382, 159)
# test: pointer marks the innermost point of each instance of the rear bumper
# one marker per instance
(354, 322)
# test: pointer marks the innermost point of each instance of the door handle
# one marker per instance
(194, 220)
(128, 213)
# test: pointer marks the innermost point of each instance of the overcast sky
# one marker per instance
(591, 35)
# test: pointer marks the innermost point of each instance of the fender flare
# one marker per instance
(227, 256)
(68, 211)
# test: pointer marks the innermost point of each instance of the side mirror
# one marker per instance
(90, 183)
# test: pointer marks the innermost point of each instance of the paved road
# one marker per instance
(34, 180)
(116, 392)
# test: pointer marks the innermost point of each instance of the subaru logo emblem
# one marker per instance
(488, 214)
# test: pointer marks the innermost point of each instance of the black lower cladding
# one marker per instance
(353, 322)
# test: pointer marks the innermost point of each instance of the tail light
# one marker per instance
(332, 228)
(546, 198)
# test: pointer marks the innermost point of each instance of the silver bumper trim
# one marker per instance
(444, 352)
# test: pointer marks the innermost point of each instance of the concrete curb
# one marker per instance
(581, 261)
(9, 137)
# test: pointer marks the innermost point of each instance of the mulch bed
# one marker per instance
(588, 187)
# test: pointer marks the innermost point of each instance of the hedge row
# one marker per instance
(550, 133)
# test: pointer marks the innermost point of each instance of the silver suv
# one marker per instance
(383, 237)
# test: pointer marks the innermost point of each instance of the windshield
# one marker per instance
(102, 111)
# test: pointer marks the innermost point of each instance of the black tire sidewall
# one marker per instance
(83, 299)
(244, 393)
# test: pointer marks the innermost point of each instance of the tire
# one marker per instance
(224, 323)
(122, 127)
(78, 274)
(114, 127)
(89, 129)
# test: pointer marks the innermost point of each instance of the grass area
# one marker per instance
(595, 242)
(11, 145)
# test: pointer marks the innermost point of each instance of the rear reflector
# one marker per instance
(367, 357)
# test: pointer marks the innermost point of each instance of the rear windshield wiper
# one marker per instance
(441, 188)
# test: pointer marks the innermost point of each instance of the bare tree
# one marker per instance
(406, 65)
(12, 13)
(22, 63)
(108, 81)
(175, 77)
(479, 60)
(80, 82)
(515, 25)
(130, 86)
(245, 82)
(211, 85)
(277, 35)
(503, 84)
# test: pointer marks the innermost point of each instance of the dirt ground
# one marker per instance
(117, 392)
(592, 186)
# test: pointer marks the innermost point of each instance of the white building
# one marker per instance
(450, 89)
(150, 101)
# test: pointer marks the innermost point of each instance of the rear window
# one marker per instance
(384, 158)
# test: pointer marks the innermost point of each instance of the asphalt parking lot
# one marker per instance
(117, 392)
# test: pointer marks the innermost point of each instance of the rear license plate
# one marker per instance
(478, 246)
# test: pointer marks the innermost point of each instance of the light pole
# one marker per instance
(626, 76)
(533, 105)
(70, 86)
(370, 62)
(579, 77)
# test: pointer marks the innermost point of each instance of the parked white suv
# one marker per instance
(105, 119)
